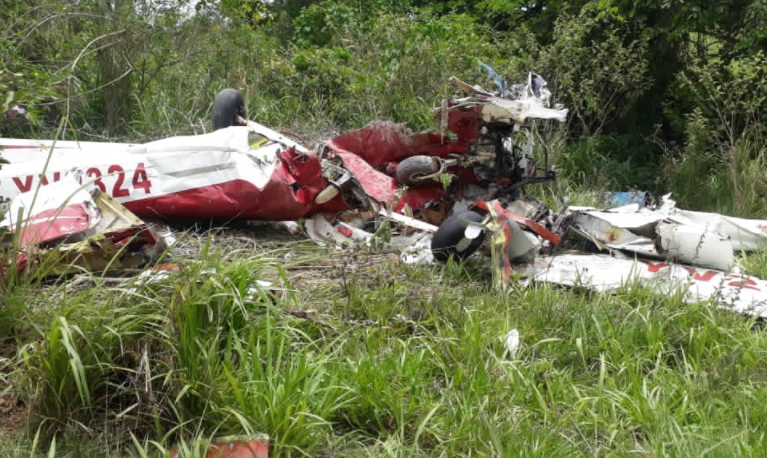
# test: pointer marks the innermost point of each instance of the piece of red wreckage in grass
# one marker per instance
(236, 447)
(67, 228)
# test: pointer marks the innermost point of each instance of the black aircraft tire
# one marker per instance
(227, 105)
(409, 170)
(449, 235)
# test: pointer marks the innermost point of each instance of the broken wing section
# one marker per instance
(603, 273)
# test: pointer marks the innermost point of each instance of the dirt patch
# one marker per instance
(14, 414)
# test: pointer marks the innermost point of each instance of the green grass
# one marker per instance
(388, 361)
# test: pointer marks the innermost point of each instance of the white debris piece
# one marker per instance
(739, 293)
(292, 227)
(408, 221)
(419, 253)
(512, 343)
(416, 248)
(661, 234)
(746, 234)
(693, 244)
(323, 232)
(523, 245)
(169, 238)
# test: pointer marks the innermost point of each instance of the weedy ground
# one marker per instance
(353, 354)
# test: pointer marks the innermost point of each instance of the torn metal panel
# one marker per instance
(379, 186)
(99, 253)
(640, 223)
(372, 152)
(602, 273)
(60, 212)
(653, 234)
(381, 143)
(523, 246)
(618, 231)
(519, 111)
(746, 234)
(70, 229)
(415, 199)
(516, 106)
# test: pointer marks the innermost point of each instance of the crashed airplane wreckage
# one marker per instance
(345, 191)
(244, 170)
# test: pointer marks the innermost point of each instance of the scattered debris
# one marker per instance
(664, 248)
(651, 234)
(744, 234)
(695, 238)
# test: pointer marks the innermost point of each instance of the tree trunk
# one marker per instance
(115, 68)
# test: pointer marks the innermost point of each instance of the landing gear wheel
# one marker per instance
(450, 238)
(227, 106)
(411, 171)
